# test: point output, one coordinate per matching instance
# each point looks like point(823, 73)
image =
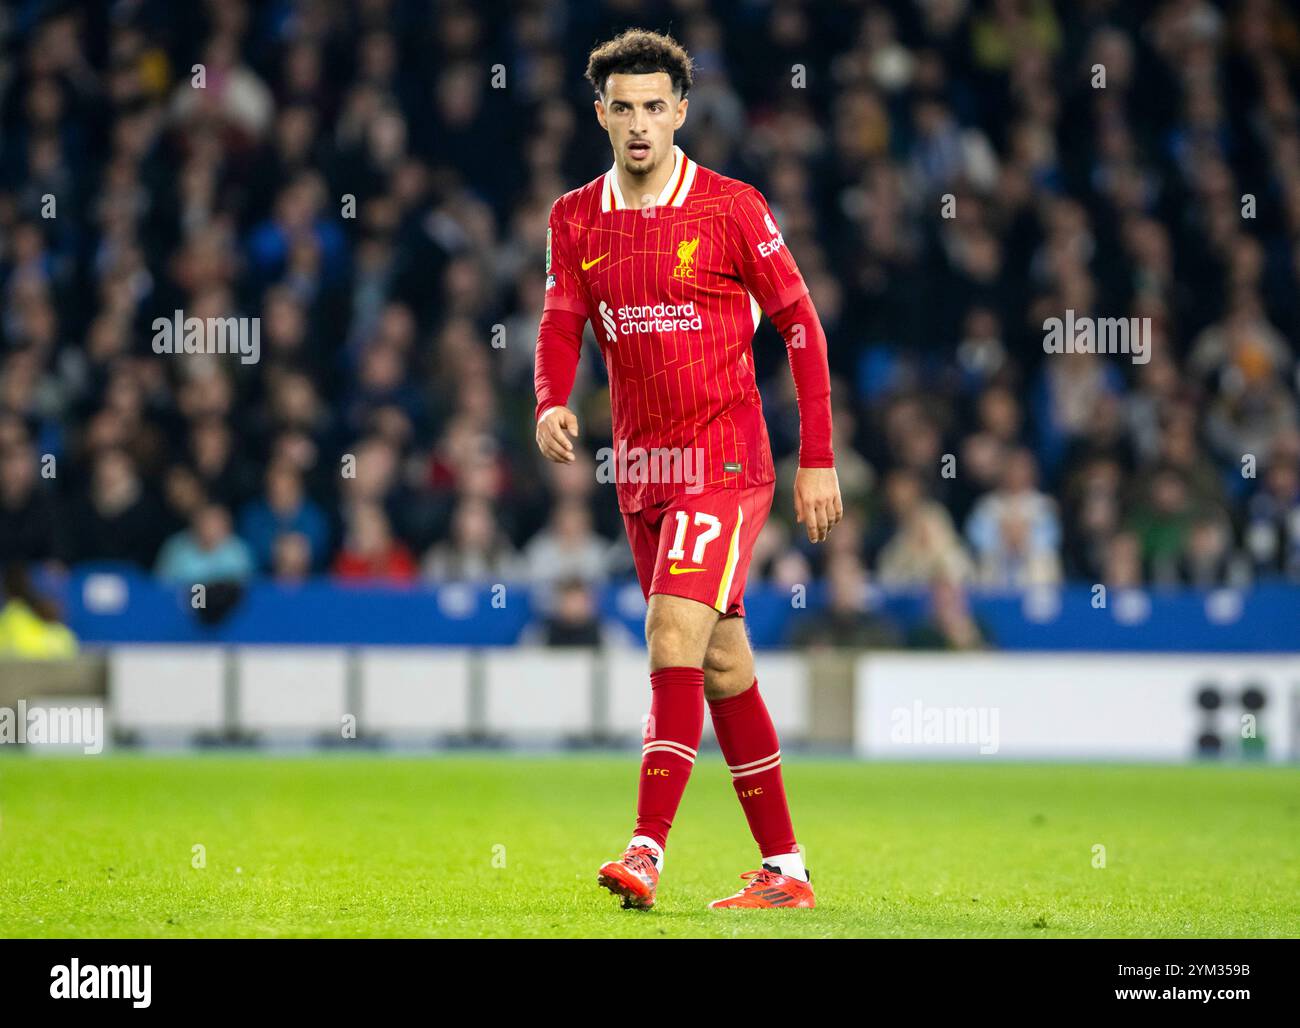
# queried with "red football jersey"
point(674, 293)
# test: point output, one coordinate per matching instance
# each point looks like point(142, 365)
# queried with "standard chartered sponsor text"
point(658, 317)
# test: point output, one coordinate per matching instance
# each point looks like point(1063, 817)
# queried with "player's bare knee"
point(677, 632)
point(670, 645)
point(719, 661)
point(727, 672)
point(665, 647)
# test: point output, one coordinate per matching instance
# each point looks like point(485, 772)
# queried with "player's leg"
point(748, 738)
point(677, 634)
point(752, 751)
point(728, 661)
point(750, 746)
point(677, 631)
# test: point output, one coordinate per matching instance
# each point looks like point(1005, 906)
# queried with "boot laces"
point(639, 858)
point(759, 878)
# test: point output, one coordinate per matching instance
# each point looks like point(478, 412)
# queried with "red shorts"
point(698, 545)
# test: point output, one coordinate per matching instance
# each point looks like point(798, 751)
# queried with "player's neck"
point(643, 190)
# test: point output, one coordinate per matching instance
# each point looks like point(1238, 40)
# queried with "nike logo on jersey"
point(592, 264)
point(673, 569)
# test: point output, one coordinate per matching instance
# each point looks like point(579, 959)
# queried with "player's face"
point(641, 113)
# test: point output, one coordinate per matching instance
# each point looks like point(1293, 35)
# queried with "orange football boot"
point(769, 888)
point(634, 876)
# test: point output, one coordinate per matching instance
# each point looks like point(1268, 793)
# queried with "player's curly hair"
point(640, 52)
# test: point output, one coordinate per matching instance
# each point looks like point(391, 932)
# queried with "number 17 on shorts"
point(702, 545)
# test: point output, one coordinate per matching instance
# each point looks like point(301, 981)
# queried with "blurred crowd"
point(372, 180)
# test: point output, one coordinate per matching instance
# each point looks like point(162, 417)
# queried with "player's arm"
point(770, 274)
point(817, 503)
point(559, 346)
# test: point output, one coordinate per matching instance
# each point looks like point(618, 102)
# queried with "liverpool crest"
point(686, 258)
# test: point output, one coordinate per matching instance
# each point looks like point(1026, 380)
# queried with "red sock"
point(753, 755)
point(672, 737)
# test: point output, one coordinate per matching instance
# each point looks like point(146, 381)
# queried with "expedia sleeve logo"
point(769, 247)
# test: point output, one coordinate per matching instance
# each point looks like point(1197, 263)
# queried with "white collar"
point(673, 194)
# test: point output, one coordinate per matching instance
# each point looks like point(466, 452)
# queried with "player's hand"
point(551, 438)
point(817, 503)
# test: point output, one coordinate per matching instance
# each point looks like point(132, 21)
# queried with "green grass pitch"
point(489, 845)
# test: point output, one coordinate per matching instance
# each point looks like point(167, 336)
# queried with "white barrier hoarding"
point(1057, 706)
point(1064, 706)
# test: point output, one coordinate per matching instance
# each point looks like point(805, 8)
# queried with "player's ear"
point(681, 113)
point(600, 114)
